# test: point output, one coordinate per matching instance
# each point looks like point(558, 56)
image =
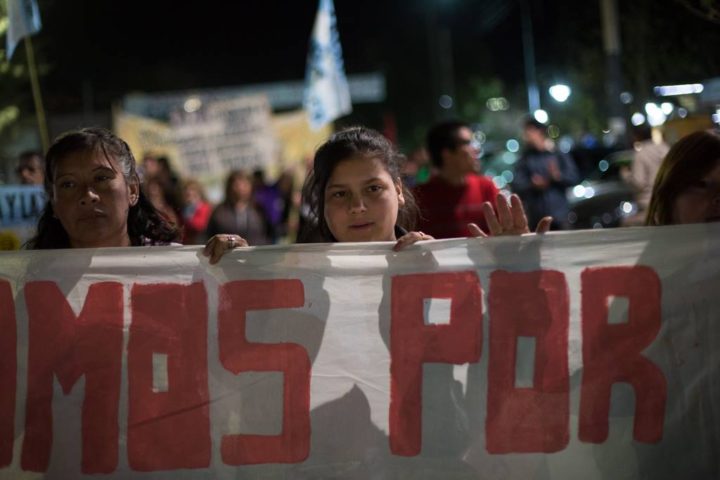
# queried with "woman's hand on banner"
point(219, 244)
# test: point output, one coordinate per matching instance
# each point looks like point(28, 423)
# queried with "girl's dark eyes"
point(701, 185)
point(67, 184)
point(370, 189)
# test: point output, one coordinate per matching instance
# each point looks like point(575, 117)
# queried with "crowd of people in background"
point(438, 189)
point(251, 207)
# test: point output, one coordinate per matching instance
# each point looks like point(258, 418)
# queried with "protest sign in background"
point(224, 135)
point(20, 208)
point(221, 135)
point(145, 135)
point(589, 355)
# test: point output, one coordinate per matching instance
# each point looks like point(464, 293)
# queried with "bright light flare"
point(560, 92)
point(670, 90)
point(541, 115)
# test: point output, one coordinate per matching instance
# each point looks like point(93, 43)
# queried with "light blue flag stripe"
point(327, 94)
point(23, 20)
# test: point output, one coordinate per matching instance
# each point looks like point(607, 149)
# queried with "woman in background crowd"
point(196, 213)
point(159, 199)
point(289, 202)
point(158, 168)
point(238, 214)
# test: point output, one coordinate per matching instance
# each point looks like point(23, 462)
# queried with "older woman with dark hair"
point(95, 199)
point(687, 186)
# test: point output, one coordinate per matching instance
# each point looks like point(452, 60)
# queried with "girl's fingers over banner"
point(410, 238)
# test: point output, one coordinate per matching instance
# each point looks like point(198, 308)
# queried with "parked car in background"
point(603, 199)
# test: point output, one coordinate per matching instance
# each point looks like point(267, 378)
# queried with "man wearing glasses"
point(454, 195)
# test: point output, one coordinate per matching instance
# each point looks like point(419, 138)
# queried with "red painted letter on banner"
point(8, 373)
point(413, 343)
point(238, 355)
point(67, 347)
point(168, 423)
point(613, 353)
point(528, 419)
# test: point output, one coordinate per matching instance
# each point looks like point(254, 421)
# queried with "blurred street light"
point(560, 92)
point(637, 119)
point(192, 104)
point(446, 102)
point(541, 115)
point(671, 90)
point(655, 115)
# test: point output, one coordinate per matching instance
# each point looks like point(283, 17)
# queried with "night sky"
point(111, 48)
point(163, 45)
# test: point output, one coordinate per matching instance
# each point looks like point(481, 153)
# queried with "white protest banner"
point(592, 355)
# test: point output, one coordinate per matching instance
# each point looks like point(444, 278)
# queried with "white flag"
point(23, 20)
point(327, 94)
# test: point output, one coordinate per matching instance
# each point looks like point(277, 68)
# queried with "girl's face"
point(362, 201)
point(699, 202)
point(91, 199)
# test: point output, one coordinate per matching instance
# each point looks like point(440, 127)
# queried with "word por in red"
point(529, 304)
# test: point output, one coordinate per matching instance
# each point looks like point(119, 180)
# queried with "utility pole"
point(613, 70)
point(533, 92)
point(442, 69)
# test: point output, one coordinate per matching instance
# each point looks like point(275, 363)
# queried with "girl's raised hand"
point(219, 244)
point(509, 220)
point(410, 238)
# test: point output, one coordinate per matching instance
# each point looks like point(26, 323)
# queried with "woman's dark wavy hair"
point(345, 144)
point(687, 162)
point(145, 223)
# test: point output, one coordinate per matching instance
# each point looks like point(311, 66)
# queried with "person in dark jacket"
point(541, 177)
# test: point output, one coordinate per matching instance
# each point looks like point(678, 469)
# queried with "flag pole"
point(37, 97)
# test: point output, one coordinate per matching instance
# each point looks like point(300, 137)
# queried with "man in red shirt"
point(453, 197)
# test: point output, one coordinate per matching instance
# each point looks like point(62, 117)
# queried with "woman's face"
point(699, 202)
point(242, 188)
point(91, 199)
point(362, 201)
